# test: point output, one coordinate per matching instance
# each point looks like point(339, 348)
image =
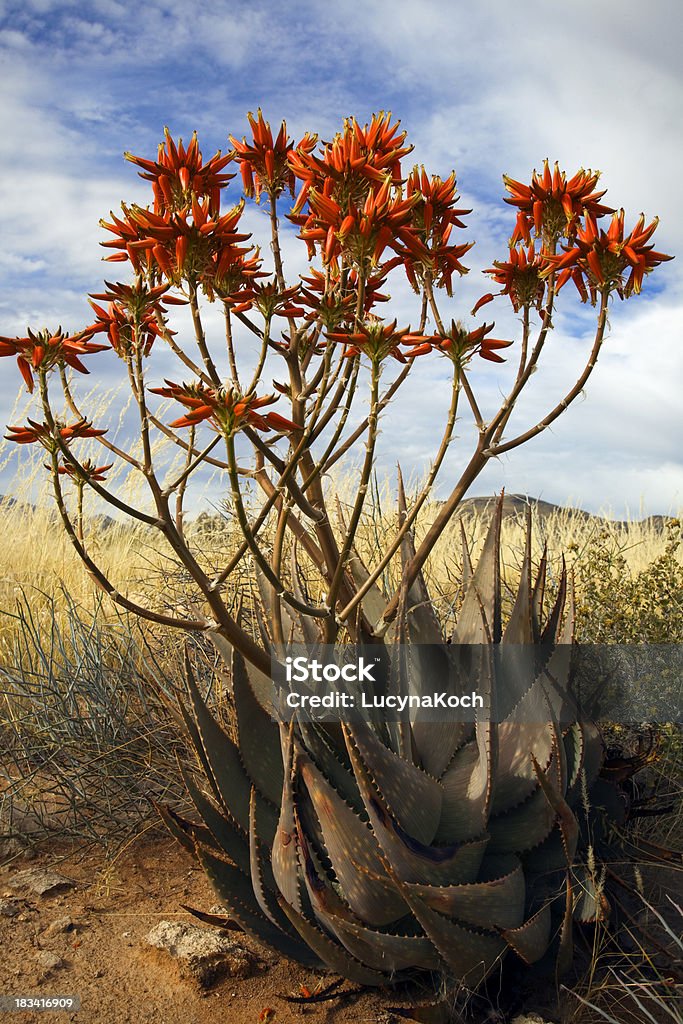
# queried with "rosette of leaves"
point(379, 851)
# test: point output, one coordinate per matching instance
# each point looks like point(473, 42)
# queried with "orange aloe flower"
point(230, 277)
point(267, 299)
point(42, 433)
point(187, 244)
point(374, 339)
point(226, 408)
point(88, 470)
point(131, 317)
point(179, 174)
point(521, 276)
point(434, 215)
point(553, 206)
point(600, 259)
point(264, 162)
point(360, 234)
point(460, 345)
point(44, 350)
point(333, 303)
point(356, 160)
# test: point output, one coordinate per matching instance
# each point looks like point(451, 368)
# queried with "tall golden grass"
point(39, 563)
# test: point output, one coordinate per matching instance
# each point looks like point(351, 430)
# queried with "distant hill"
point(514, 505)
point(8, 502)
point(517, 505)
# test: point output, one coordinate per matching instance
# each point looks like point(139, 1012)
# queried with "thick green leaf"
point(222, 759)
point(515, 776)
point(331, 761)
point(182, 830)
point(378, 950)
point(537, 596)
point(410, 860)
point(412, 796)
point(285, 857)
point(495, 900)
point(531, 939)
point(238, 899)
point(383, 952)
point(353, 852)
point(569, 826)
point(464, 813)
point(375, 601)
point(259, 740)
point(227, 836)
point(261, 684)
point(331, 953)
point(479, 619)
point(260, 869)
point(470, 954)
point(523, 827)
point(519, 629)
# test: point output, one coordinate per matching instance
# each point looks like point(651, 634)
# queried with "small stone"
point(9, 908)
point(59, 926)
point(42, 883)
point(202, 955)
point(48, 961)
point(14, 849)
point(529, 1018)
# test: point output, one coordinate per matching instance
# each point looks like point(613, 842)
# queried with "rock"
point(14, 849)
point(48, 961)
point(9, 908)
point(43, 883)
point(529, 1018)
point(59, 926)
point(202, 955)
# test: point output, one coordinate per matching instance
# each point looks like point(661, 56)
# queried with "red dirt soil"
point(118, 979)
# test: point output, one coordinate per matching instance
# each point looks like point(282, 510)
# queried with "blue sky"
point(486, 89)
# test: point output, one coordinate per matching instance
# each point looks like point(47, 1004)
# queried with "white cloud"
point(481, 87)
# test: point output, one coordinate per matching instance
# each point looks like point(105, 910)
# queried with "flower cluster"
point(187, 245)
point(268, 299)
point(47, 436)
point(133, 320)
point(376, 340)
point(334, 302)
point(521, 276)
point(226, 408)
point(564, 212)
point(434, 215)
point(553, 206)
point(353, 194)
point(460, 345)
point(264, 162)
point(179, 175)
point(599, 259)
point(88, 472)
point(38, 353)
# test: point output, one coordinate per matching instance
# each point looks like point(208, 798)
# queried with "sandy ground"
point(107, 964)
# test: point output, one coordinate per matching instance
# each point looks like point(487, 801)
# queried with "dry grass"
point(84, 714)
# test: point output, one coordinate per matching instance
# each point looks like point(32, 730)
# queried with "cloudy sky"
point(484, 88)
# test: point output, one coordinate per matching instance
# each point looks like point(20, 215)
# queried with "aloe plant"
point(378, 849)
point(429, 846)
